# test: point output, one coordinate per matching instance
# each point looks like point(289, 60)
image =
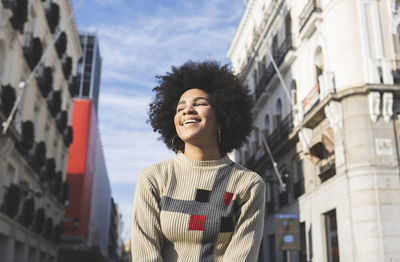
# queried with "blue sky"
point(140, 39)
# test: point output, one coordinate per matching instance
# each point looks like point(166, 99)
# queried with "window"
point(332, 241)
point(303, 243)
point(266, 126)
point(271, 247)
point(293, 92)
point(298, 183)
point(278, 113)
point(319, 64)
point(255, 78)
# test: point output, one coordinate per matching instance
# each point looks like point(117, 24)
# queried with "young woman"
point(199, 205)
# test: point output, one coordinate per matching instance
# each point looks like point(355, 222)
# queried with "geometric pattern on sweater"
point(211, 211)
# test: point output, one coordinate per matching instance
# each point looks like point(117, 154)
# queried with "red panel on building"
point(80, 168)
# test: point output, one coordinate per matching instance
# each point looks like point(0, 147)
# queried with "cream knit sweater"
point(188, 210)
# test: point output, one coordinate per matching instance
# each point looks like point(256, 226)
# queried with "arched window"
point(319, 64)
point(266, 126)
point(278, 113)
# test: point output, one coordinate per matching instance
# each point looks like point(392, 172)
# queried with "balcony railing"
point(20, 13)
point(45, 80)
point(53, 16)
point(267, 75)
point(281, 132)
point(311, 7)
point(327, 171)
point(33, 50)
point(61, 44)
point(278, 136)
point(7, 99)
point(396, 71)
point(67, 66)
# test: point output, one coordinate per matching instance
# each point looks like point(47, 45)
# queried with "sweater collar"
point(225, 160)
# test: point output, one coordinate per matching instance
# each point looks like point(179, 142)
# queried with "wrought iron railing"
point(278, 136)
point(327, 171)
point(267, 75)
point(33, 50)
point(53, 16)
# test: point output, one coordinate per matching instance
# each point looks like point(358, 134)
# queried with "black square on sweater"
point(226, 225)
point(202, 195)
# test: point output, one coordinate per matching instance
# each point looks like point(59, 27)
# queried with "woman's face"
point(195, 120)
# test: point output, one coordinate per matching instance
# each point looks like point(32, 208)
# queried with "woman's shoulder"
point(157, 171)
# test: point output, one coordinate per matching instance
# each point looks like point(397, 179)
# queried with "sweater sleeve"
point(246, 238)
point(146, 235)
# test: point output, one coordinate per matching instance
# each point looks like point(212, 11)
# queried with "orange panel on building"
point(80, 168)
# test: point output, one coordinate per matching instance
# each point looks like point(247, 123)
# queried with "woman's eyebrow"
point(194, 100)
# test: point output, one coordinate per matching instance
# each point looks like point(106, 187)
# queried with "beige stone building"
point(331, 119)
point(34, 150)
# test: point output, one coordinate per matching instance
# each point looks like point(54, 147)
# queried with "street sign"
point(287, 232)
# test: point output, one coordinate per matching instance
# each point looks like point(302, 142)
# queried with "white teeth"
point(191, 121)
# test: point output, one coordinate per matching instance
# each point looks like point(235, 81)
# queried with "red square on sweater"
point(228, 198)
point(196, 222)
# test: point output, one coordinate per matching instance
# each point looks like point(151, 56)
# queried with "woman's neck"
point(202, 153)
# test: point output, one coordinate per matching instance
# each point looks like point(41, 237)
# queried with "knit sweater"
point(189, 210)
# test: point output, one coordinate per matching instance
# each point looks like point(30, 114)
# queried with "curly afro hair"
point(229, 97)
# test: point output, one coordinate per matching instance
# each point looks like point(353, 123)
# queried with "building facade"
point(330, 116)
point(89, 69)
point(34, 148)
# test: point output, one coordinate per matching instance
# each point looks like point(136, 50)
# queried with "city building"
point(89, 69)
point(34, 147)
point(116, 246)
point(330, 117)
point(88, 217)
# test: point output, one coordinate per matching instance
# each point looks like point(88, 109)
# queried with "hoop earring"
point(173, 144)
point(219, 136)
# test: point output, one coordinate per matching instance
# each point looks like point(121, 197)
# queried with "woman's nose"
point(188, 109)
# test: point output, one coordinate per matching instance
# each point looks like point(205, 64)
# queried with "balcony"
point(396, 71)
point(67, 66)
point(45, 80)
point(53, 16)
point(54, 102)
point(306, 18)
point(68, 136)
point(327, 171)
point(7, 100)
point(279, 56)
point(260, 160)
point(20, 13)
point(61, 44)
point(280, 133)
point(33, 50)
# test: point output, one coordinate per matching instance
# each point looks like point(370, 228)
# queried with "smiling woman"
point(199, 205)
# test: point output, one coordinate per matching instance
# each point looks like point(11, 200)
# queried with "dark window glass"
point(86, 88)
point(332, 240)
point(271, 247)
point(303, 243)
